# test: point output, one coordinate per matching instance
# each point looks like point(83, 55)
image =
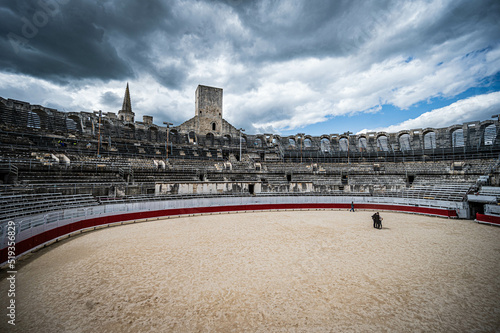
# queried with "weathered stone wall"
point(462, 137)
point(469, 135)
point(208, 110)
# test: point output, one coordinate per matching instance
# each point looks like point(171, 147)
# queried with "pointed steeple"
point(127, 105)
point(126, 113)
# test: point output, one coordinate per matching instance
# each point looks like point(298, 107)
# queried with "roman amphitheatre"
point(127, 226)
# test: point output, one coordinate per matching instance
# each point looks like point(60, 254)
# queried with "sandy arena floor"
point(317, 271)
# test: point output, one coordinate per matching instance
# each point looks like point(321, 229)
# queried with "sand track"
point(317, 271)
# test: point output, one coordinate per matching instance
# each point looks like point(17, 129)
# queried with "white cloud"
point(465, 110)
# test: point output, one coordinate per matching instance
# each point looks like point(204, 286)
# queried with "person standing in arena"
point(352, 206)
point(377, 221)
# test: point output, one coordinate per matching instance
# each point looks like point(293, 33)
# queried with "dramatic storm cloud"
point(285, 66)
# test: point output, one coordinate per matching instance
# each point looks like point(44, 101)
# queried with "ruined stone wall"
point(467, 136)
point(470, 136)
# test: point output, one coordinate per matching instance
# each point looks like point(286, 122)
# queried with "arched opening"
point(404, 142)
point(430, 140)
point(343, 144)
point(33, 120)
point(363, 144)
point(42, 118)
point(209, 139)
point(174, 136)
point(76, 121)
point(382, 143)
point(153, 133)
point(70, 125)
point(490, 133)
point(192, 137)
point(457, 138)
point(325, 145)
point(214, 127)
point(226, 140)
point(257, 142)
point(291, 142)
point(307, 143)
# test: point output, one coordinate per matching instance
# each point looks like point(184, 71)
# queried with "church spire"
point(127, 105)
point(126, 113)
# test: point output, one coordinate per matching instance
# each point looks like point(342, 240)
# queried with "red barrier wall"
point(491, 219)
point(50, 235)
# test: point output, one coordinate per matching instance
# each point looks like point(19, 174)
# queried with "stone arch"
point(344, 144)
point(457, 137)
point(40, 112)
point(192, 137)
point(382, 142)
point(33, 120)
point(77, 120)
point(226, 140)
point(489, 134)
point(292, 143)
point(209, 139)
point(429, 139)
point(362, 143)
point(153, 133)
point(42, 116)
point(174, 136)
point(404, 141)
point(325, 144)
point(257, 142)
point(72, 126)
point(308, 142)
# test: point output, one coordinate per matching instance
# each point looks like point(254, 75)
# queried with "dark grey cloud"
point(120, 40)
point(59, 45)
point(254, 49)
point(111, 99)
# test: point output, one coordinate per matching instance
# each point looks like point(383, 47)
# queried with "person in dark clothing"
point(352, 206)
point(377, 221)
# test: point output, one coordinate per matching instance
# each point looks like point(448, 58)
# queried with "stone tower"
point(208, 110)
point(126, 113)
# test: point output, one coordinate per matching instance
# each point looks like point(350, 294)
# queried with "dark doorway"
point(476, 207)
point(251, 188)
point(410, 179)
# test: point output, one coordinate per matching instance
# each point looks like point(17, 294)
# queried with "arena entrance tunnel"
point(32, 232)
